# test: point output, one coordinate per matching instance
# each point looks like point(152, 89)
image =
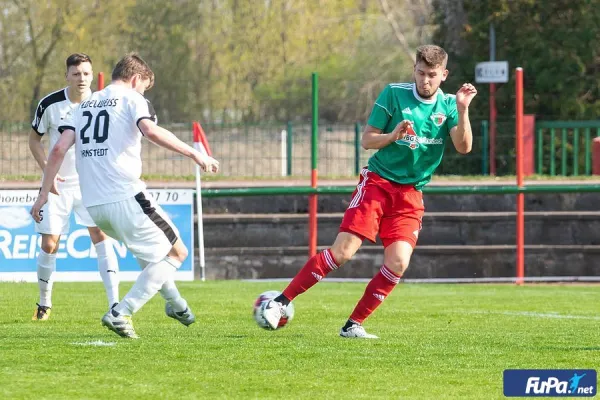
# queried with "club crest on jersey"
point(438, 118)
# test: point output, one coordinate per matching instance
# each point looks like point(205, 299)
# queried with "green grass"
point(437, 341)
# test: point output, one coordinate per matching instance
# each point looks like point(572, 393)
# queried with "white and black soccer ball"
point(260, 302)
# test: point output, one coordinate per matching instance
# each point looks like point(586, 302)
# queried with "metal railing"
point(431, 190)
point(565, 147)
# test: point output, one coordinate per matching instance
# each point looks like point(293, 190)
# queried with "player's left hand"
point(464, 96)
point(37, 207)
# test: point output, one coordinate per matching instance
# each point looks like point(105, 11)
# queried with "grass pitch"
point(437, 341)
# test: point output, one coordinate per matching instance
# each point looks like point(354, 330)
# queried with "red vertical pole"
point(596, 156)
point(519, 160)
point(312, 220)
point(100, 80)
point(528, 144)
point(493, 115)
point(312, 199)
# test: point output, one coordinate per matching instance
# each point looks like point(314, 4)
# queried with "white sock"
point(171, 294)
point(108, 266)
point(46, 265)
point(142, 263)
point(150, 281)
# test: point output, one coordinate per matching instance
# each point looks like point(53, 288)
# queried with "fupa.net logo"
point(550, 382)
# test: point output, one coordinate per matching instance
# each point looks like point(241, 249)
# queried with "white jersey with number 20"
point(108, 144)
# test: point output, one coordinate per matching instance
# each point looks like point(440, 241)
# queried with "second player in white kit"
point(51, 112)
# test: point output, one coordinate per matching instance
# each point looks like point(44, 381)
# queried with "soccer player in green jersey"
point(409, 126)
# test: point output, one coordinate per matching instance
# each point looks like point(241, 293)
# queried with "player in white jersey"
point(52, 111)
point(106, 130)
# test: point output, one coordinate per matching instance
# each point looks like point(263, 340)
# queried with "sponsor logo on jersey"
point(413, 141)
point(409, 139)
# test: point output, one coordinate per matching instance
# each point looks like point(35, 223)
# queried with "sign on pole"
point(491, 72)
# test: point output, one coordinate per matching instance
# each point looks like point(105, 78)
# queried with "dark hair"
point(432, 55)
point(77, 58)
point(131, 65)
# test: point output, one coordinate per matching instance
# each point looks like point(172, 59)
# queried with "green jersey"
point(414, 157)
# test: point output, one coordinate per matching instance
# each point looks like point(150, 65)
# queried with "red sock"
point(377, 290)
point(313, 271)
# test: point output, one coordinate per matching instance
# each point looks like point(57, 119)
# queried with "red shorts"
point(379, 206)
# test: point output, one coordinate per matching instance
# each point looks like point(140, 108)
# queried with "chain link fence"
point(266, 151)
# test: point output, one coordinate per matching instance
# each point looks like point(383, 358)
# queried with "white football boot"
point(272, 311)
point(356, 331)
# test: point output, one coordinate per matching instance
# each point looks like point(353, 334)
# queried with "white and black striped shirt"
point(53, 111)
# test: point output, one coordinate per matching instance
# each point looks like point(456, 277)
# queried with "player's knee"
point(49, 244)
point(179, 251)
point(397, 256)
point(48, 247)
point(96, 234)
point(345, 246)
point(398, 263)
point(183, 253)
point(341, 255)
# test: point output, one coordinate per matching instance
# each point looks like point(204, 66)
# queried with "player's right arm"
point(55, 160)
point(168, 140)
point(36, 148)
point(381, 114)
point(373, 138)
point(39, 127)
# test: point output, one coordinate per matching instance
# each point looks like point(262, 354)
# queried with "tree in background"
point(218, 60)
point(557, 43)
point(239, 60)
point(36, 38)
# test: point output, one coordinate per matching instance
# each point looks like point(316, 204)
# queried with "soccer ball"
point(260, 303)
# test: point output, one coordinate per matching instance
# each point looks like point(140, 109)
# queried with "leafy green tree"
point(556, 43)
point(37, 37)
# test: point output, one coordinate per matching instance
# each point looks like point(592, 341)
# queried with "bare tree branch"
point(389, 15)
point(41, 63)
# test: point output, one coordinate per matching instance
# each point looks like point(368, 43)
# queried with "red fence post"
point(596, 156)
point(519, 159)
point(528, 144)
